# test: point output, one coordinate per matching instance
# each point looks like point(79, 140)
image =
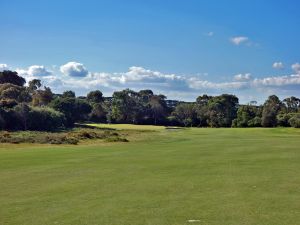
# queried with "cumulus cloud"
point(239, 40)
point(296, 67)
point(278, 81)
point(207, 85)
point(243, 77)
point(173, 85)
point(37, 70)
point(3, 67)
point(34, 71)
point(74, 69)
point(278, 65)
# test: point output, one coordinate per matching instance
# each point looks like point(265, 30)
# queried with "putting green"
point(128, 126)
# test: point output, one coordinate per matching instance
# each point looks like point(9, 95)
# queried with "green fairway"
point(168, 177)
point(127, 126)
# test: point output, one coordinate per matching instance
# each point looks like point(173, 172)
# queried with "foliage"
point(247, 116)
point(14, 92)
point(35, 107)
point(221, 110)
point(74, 109)
point(95, 97)
point(271, 108)
point(294, 121)
point(11, 77)
point(186, 114)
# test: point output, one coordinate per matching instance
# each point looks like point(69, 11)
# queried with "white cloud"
point(37, 70)
point(34, 71)
point(278, 65)
point(239, 40)
point(194, 83)
point(3, 67)
point(278, 81)
point(296, 67)
point(74, 69)
point(243, 77)
point(174, 85)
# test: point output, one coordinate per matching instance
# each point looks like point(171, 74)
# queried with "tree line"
point(33, 106)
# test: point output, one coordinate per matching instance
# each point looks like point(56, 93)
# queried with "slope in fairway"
point(211, 176)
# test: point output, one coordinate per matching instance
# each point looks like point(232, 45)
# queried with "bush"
point(44, 119)
point(66, 137)
point(283, 119)
point(295, 121)
point(255, 122)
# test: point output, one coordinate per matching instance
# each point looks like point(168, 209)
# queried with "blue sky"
point(180, 48)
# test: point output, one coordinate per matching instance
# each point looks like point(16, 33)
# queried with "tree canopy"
point(36, 107)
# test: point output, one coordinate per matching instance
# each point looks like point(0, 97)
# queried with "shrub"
point(44, 119)
point(295, 121)
point(255, 122)
point(283, 119)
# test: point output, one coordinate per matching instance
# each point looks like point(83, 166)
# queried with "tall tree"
point(185, 114)
point(292, 104)
point(159, 108)
point(125, 106)
point(222, 110)
point(271, 108)
point(68, 94)
point(247, 116)
point(95, 97)
point(34, 85)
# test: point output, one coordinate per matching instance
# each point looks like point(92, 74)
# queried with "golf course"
point(205, 176)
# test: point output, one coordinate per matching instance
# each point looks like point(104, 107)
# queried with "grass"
point(72, 136)
point(127, 126)
point(211, 176)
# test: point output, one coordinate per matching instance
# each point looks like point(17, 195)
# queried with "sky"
point(180, 48)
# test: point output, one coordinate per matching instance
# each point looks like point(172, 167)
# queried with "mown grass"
point(212, 176)
point(127, 126)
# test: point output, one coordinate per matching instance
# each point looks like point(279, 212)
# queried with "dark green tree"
point(95, 97)
point(68, 94)
point(11, 77)
point(271, 108)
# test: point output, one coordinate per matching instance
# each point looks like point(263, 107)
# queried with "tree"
point(295, 121)
point(125, 106)
point(68, 94)
point(14, 92)
point(11, 77)
point(42, 97)
point(270, 110)
point(292, 104)
point(34, 85)
point(246, 116)
point(95, 97)
point(222, 110)
point(202, 109)
point(98, 113)
point(185, 114)
point(73, 109)
point(158, 107)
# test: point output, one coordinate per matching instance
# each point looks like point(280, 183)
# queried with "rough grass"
point(171, 177)
point(73, 136)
